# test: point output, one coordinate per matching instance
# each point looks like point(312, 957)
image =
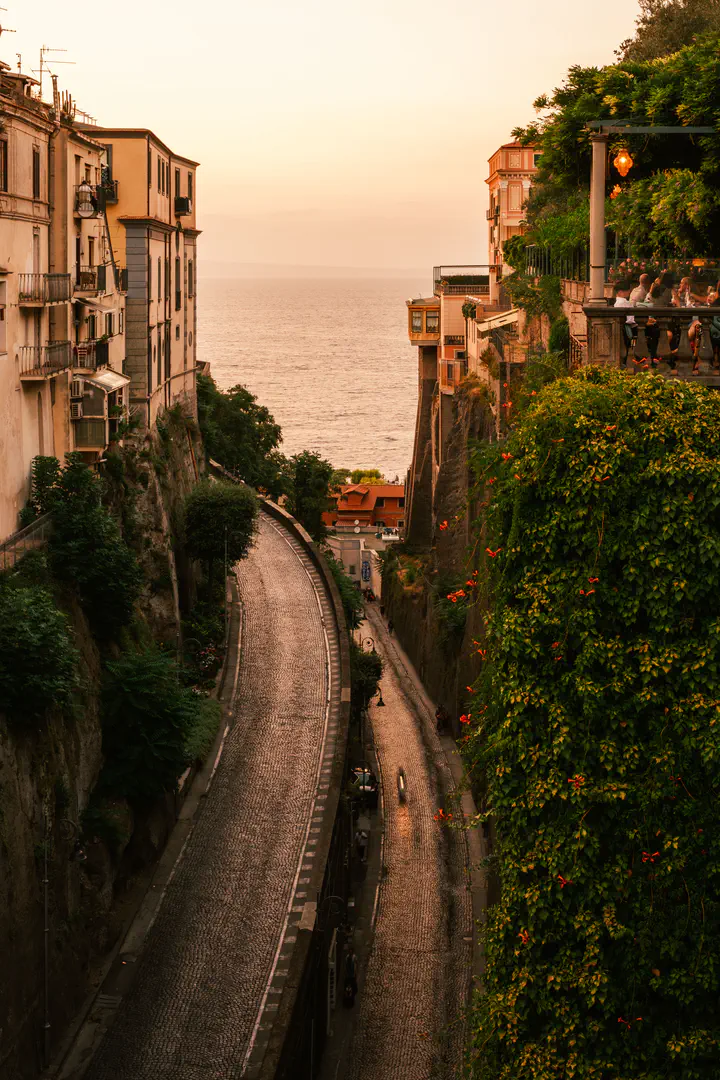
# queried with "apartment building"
point(153, 241)
point(28, 291)
point(510, 176)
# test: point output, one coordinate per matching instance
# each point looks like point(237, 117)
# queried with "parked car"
point(365, 786)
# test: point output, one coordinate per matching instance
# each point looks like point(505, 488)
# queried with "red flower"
point(592, 580)
point(577, 781)
point(491, 553)
point(470, 690)
point(648, 856)
point(506, 457)
point(465, 718)
point(524, 936)
point(564, 881)
point(443, 525)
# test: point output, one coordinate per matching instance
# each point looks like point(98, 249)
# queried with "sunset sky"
point(330, 134)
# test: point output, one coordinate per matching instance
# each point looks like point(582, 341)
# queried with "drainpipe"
point(46, 883)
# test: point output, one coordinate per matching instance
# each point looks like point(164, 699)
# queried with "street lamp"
point(380, 703)
point(372, 643)
point(600, 130)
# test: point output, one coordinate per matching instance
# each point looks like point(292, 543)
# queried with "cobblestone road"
point(416, 987)
point(192, 1007)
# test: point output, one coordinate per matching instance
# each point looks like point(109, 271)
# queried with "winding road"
point(214, 957)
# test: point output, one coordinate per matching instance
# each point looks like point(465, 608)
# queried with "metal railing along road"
point(30, 538)
point(44, 288)
point(40, 361)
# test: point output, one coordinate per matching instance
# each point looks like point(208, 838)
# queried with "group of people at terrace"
point(663, 292)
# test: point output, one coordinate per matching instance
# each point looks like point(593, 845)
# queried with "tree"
point(87, 549)
point(241, 435)
point(152, 727)
point(594, 733)
point(309, 482)
point(664, 26)
point(372, 477)
point(669, 204)
point(219, 518)
point(339, 478)
point(37, 656)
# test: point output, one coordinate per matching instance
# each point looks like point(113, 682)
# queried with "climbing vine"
point(596, 727)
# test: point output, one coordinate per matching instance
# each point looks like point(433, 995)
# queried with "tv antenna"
point(44, 66)
point(5, 29)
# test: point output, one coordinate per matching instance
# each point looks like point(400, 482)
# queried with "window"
point(149, 169)
point(190, 185)
point(177, 333)
point(92, 327)
point(3, 165)
point(159, 278)
point(159, 178)
point(178, 285)
point(177, 183)
point(401, 523)
point(121, 320)
point(416, 325)
point(36, 171)
point(351, 570)
point(88, 175)
point(379, 502)
point(379, 524)
point(91, 251)
point(191, 278)
point(432, 322)
point(149, 278)
point(536, 160)
point(109, 327)
point(167, 279)
point(401, 503)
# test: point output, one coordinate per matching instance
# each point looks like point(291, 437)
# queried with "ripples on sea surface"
point(329, 358)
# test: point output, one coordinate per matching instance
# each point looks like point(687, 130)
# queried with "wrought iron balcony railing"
point(43, 361)
point(35, 290)
point(674, 342)
point(455, 339)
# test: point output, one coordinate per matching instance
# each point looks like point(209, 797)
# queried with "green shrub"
point(351, 597)
point(201, 737)
point(151, 726)
point(37, 656)
point(308, 484)
point(596, 725)
point(559, 335)
point(219, 518)
point(365, 674)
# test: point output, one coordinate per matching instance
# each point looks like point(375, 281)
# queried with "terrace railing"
point(30, 538)
point(44, 288)
point(42, 361)
point(675, 342)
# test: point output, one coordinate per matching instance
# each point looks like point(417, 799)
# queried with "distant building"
point(511, 171)
point(364, 506)
point(153, 237)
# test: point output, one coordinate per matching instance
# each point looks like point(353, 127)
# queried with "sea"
point(330, 359)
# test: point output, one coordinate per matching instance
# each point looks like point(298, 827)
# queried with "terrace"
point(461, 280)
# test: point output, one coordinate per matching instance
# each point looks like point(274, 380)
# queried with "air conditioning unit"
point(76, 410)
point(76, 388)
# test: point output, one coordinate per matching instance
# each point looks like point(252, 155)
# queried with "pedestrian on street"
point(441, 718)
point(351, 986)
point(361, 841)
point(391, 626)
point(382, 611)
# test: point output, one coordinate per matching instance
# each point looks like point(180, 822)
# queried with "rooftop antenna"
point(6, 29)
point(44, 49)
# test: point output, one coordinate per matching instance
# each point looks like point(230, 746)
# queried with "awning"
point(108, 379)
point(88, 303)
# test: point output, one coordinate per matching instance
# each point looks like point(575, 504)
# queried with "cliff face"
point(446, 661)
point(49, 767)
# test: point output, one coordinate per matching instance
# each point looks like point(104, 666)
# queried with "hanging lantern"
point(615, 191)
point(623, 162)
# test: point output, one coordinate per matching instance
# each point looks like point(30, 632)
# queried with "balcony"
point(450, 374)
point(107, 192)
point(38, 362)
point(38, 290)
point(665, 340)
point(90, 355)
point(491, 215)
point(90, 279)
point(461, 280)
point(455, 339)
point(183, 206)
point(87, 204)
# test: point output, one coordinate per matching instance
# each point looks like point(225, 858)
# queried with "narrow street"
point(192, 1011)
point(415, 991)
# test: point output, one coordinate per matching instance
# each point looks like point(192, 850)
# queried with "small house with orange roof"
point(367, 506)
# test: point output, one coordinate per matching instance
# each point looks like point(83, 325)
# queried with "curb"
point(101, 1006)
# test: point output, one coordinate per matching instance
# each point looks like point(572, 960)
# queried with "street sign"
point(365, 572)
